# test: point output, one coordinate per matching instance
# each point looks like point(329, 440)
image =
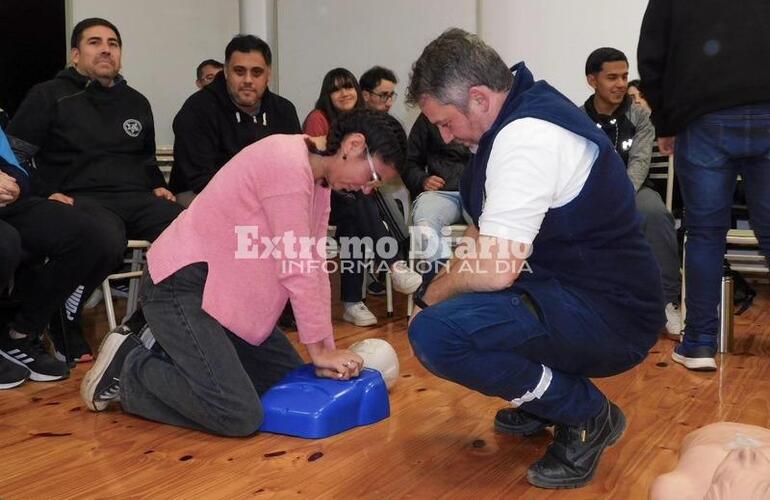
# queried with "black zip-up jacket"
point(86, 137)
point(427, 154)
point(699, 57)
point(210, 129)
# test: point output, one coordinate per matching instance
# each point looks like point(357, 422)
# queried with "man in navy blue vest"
point(554, 282)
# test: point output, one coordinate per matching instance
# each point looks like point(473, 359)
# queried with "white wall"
point(554, 37)
point(163, 42)
point(315, 36)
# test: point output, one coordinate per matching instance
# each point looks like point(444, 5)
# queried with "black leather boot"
point(519, 423)
point(572, 458)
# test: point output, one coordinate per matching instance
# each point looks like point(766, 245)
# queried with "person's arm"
point(154, 175)
point(481, 264)
point(28, 133)
point(291, 120)
point(652, 57)
point(316, 124)
point(9, 165)
point(640, 154)
point(305, 279)
point(415, 174)
point(196, 147)
point(33, 119)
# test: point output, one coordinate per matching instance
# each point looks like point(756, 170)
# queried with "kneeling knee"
point(243, 422)
point(427, 338)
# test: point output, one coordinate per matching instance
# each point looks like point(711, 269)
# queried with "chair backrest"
point(662, 169)
point(165, 158)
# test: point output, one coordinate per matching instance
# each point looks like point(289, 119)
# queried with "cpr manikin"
point(725, 460)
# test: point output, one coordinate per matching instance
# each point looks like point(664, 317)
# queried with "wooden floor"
point(437, 443)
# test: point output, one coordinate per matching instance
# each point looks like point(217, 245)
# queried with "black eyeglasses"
point(384, 97)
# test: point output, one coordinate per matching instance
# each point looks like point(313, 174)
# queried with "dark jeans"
point(208, 379)
point(710, 154)
point(10, 253)
point(535, 349)
point(357, 215)
point(66, 247)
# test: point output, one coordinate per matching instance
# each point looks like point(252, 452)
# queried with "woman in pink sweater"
point(220, 275)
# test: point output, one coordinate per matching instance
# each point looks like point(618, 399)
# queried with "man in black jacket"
point(703, 76)
point(93, 140)
point(235, 110)
point(432, 175)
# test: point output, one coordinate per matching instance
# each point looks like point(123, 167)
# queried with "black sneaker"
point(374, 287)
point(101, 384)
point(30, 353)
point(12, 374)
point(572, 458)
point(519, 423)
point(695, 357)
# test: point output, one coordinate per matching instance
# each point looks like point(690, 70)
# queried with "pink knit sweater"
point(266, 190)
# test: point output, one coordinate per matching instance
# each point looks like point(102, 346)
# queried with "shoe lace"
point(112, 392)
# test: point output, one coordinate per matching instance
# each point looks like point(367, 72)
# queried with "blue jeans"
point(431, 211)
point(534, 345)
point(207, 378)
point(710, 154)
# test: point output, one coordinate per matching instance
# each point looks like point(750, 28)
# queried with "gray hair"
point(453, 63)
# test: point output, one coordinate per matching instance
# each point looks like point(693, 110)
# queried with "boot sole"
point(106, 353)
point(582, 481)
point(695, 364)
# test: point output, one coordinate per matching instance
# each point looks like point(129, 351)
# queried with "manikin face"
point(610, 84)
point(247, 76)
point(453, 124)
point(381, 98)
point(97, 55)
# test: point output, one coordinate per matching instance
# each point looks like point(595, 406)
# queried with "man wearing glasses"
point(378, 87)
point(206, 71)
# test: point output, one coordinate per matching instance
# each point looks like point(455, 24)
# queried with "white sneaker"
point(359, 315)
point(405, 280)
point(673, 321)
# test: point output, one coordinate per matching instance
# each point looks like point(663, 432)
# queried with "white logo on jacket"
point(132, 127)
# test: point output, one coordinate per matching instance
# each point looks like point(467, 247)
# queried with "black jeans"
point(65, 248)
point(121, 216)
point(209, 379)
point(133, 215)
point(10, 253)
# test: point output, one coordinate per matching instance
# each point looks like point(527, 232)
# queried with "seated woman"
point(356, 215)
point(220, 275)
